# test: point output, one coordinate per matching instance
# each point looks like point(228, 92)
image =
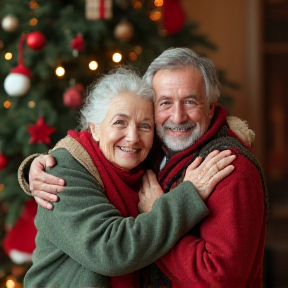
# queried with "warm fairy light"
point(163, 33)
point(158, 3)
point(8, 56)
point(93, 65)
point(31, 104)
point(155, 15)
point(132, 56)
point(7, 104)
point(137, 4)
point(2, 186)
point(60, 71)
point(33, 5)
point(117, 57)
point(33, 22)
point(138, 50)
point(10, 283)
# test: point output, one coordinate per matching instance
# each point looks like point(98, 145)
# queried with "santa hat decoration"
point(19, 243)
point(17, 83)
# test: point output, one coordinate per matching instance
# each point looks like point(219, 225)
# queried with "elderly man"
point(226, 249)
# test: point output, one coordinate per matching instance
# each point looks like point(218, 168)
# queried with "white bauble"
point(16, 84)
point(10, 23)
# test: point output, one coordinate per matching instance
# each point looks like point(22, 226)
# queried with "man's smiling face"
point(182, 113)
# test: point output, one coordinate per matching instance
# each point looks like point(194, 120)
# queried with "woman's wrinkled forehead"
point(129, 105)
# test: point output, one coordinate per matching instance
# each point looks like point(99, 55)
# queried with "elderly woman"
point(94, 231)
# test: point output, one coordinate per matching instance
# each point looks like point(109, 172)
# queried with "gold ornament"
point(124, 31)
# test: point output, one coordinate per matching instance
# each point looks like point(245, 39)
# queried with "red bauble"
point(3, 161)
point(35, 40)
point(77, 43)
point(72, 98)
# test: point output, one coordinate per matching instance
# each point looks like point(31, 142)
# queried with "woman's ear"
point(212, 109)
point(95, 131)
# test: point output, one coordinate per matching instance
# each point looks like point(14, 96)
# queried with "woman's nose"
point(132, 135)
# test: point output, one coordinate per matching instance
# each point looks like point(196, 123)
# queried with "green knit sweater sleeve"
point(88, 228)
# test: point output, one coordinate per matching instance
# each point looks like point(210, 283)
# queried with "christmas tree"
point(49, 52)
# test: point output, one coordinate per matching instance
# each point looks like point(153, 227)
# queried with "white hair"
point(121, 80)
point(177, 58)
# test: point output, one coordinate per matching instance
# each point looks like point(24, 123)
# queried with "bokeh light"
point(7, 104)
point(60, 71)
point(31, 104)
point(33, 5)
point(8, 56)
point(133, 56)
point(137, 4)
point(33, 22)
point(158, 3)
point(117, 57)
point(155, 15)
point(93, 65)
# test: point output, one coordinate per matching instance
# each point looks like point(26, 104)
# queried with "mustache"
point(182, 126)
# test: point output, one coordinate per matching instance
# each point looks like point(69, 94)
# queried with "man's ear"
point(212, 109)
point(95, 131)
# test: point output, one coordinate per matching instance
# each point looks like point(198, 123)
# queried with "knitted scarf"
point(120, 188)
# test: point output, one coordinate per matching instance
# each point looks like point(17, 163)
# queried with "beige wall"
point(233, 26)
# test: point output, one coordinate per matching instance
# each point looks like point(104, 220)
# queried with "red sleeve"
point(230, 237)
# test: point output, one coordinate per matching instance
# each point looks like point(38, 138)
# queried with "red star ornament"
point(40, 132)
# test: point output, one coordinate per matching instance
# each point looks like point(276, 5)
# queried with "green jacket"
point(84, 239)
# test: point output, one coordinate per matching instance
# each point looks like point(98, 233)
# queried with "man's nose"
point(178, 114)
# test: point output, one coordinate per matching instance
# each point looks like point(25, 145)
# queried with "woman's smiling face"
point(126, 134)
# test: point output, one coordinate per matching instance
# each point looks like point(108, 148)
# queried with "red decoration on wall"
point(40, 132)
point(3, 161)
point(173, 16)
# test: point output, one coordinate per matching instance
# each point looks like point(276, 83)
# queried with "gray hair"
point(121, 80)
point(176, 58)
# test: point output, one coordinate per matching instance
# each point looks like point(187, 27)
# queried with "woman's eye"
point(145, 126)
point(119, 122)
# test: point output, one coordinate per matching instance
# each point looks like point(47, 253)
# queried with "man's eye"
point(165, 103)
point(190, 102)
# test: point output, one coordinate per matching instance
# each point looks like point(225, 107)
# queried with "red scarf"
point(121, 187)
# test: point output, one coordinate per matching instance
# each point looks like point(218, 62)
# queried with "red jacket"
point(226, 251)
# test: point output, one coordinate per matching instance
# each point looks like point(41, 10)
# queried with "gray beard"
point(176, 143)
